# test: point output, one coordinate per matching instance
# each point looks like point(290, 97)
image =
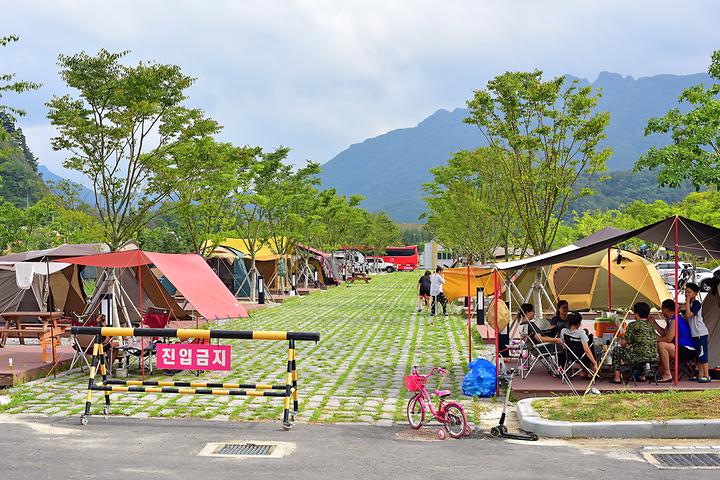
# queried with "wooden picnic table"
point(49, 329)
point(360, 276)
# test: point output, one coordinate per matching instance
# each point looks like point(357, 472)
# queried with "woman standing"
point(424, 291)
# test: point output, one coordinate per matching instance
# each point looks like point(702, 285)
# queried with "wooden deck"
point(540, 384)
point(28, 364)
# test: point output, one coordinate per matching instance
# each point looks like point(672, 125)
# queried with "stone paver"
point(370, 336)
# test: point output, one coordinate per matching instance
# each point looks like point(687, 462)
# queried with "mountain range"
point(389, 170)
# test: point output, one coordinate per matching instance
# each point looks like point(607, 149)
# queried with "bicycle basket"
point(413, 383)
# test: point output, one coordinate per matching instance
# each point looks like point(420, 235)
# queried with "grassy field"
point(370, 336)
point(670, 405)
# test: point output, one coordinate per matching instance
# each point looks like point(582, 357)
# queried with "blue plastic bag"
point(480, 379)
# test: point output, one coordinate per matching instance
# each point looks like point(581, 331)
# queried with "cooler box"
point(605, 325)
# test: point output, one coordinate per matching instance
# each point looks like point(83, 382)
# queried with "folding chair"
point(542, 353)
point(687, 363)
point(82, 344)
point(576, 356)
point(145, 349)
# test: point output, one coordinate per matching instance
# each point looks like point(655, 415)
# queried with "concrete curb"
point(531, 421)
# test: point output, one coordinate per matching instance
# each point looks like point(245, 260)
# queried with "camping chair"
point(687, 363)
point(576, 357)
point(544, 353)
point(650, 370)
point(145, 349)
point(82, 344)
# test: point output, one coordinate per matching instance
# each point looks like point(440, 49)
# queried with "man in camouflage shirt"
point(640, 343)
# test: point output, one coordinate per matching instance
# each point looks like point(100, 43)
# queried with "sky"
point(318, 76)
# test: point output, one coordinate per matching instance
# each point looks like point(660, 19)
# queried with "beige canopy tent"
point(583, 282)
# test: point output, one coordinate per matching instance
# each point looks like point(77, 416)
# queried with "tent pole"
point(677, 319)
point(469, 314)
point(609, 277)
point(142, 339)
point(497, 330)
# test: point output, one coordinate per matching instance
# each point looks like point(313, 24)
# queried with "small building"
point(435, 255)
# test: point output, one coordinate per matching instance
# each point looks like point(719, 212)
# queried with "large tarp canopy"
point(187, 272)
point(693, 237)
point(456, 281)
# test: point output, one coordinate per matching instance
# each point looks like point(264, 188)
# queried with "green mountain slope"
point(19, 180)
point(389, 170)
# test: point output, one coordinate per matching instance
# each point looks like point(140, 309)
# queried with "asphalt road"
point(129, 448)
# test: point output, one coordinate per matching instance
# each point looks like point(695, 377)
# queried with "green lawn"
point(669, 405)
point(370, 336)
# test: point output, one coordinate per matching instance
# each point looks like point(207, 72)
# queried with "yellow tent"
point(583, 282)
point(456, 281)
point(266, 253)
point(266, 259)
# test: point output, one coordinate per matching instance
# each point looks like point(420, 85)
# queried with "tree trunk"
point(253, 280)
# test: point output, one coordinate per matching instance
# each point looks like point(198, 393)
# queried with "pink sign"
point(192, 356)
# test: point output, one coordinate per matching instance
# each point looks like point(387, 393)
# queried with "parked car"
point(699, 275)
point(373, 262)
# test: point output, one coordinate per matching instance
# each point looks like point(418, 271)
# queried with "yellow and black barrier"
point(288, 390)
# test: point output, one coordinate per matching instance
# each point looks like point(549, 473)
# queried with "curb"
point(531, 421)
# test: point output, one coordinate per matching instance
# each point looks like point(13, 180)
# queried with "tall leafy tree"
point(694, 153)
point(545, 139)
point(9, 84)
point(121, 130)
point(207, 208)
point(463, 204)
point(254, 196)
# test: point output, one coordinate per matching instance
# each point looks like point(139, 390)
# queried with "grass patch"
point(670, 405)
point(18, 397)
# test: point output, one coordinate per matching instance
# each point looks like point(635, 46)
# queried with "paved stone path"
point(371, 335)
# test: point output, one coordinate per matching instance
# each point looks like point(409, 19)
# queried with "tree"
point(207, 209)
point(253, 197)
point(122, 130)
point(288, 207)
point(380, 232)
point(463, 205)
point(695, 150)
point(545, 140)
point(9, 84)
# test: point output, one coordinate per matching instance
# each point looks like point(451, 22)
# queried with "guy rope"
point(288, 390)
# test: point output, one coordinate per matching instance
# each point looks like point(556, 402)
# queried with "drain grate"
point(249, 449)
point(687, 460)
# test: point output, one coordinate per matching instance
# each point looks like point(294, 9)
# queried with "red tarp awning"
point(187, 272)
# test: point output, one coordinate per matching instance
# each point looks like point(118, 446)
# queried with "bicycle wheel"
point(415, 412)
point(455, 421)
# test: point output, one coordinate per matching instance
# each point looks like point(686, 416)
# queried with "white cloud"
point(320, 75)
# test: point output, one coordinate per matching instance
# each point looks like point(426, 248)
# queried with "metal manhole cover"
point(683, 458)
point(245, 449)
point(248, 449)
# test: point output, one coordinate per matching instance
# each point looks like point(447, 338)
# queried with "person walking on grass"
point(424, 291)
point(692, 312)
point(436, 291)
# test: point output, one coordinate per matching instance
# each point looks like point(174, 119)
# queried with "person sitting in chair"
point(574, 330)
point(639, 345)
point(666, 342)
point(560, 320)
point(525, 316)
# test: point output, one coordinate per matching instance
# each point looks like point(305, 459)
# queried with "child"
point(692, 312)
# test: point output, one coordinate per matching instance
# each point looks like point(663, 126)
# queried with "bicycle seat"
point(442, 393)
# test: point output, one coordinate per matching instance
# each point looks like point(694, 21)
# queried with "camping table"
point(46, 318)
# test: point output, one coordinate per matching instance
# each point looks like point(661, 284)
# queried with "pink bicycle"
point(449, 413)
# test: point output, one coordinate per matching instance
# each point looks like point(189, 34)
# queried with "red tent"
point(187, 272)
